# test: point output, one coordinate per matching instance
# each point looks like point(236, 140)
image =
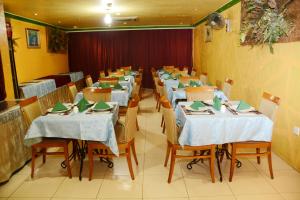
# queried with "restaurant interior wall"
point(254, 70)
point(33, 63)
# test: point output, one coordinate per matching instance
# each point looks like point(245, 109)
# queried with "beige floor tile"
point(199, 185)
point(121, 187)
point(12, 185)
point(227, 197)
point(291, 196)
point(167, 199)
point(73, 188)
point(250, 183)
point(156, 186)
point(39, 187)
point(260, 197)
point(285, 181)
point(100, 168)
point(29, 198)
point(121, 166)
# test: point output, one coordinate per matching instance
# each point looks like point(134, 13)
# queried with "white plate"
point(191, 109)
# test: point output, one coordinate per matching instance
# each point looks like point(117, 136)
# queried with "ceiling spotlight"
point(35, 14)
point(59, 22)
point(107, 19)
point(75, 27)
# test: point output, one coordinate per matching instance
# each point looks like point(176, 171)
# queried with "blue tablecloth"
point(37, 87)
point(97, 126)
point(74, 76)
point(223, 127)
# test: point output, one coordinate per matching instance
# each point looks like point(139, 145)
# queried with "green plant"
point(57, 40)
point(265, 22)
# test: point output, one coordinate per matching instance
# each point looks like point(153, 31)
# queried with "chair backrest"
point(97, 94)
point(268, 105)
point(194, 72)
point(111, 81)
point(169, 67)
point(130, 119)
point(126, 68)
point(102, 74)
point(31, 108)
point(156, 79)
point(204, 78)
point(136, 87)
point(117, 74)
point(73, 90)
point(227, 87)
point(199, 93)
point(89, 81)
point(160, 86)
point(170, 121)
point(187, 79)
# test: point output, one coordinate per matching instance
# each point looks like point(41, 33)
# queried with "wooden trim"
point(166, 104)
point(28, 101)
point(272, 98)
point(199, 89)
point(98, 90)
point(204, 73)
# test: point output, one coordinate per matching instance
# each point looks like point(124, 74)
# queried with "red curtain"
point(91, 52)
point(2, 85)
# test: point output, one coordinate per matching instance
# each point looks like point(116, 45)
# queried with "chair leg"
point(134, 152)
point(270, 162)
point(159, 104)
point(212, 164)
point(162, 121)
point(169, 148)
point(173, 156)
point(233, 158)
point(164, 127)
point(128, 156)
point(91, 161)
point(67, 162)
point(33, 154)
point(137, 125)
point(258, 157)
point(44, 150)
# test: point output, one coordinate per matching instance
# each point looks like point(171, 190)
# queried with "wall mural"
point(270, 21)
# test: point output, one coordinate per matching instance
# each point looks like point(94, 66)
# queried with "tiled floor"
point(250, 182)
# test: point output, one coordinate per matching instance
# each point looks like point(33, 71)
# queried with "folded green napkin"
point(196, 105)
point(217, 103)
point(243, 106)
point(122, 78)
point(101, 105)
point(180, 85)
point(59, 107)
point(118, 87)
point(104, 85)
point(83, 104)
point(194, 84)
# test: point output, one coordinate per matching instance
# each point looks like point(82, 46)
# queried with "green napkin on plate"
point(83, 104)
point(118, 87)
point(180, 85)
point(196, 105)
point(243, 106)
point(101, 105)
point(122, 78)
point(217, 103)
point(104, 85)
point(59, 107)
point(194, 84)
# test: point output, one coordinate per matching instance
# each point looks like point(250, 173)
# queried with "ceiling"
point(90, 13)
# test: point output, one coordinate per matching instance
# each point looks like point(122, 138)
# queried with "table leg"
point(218, 163)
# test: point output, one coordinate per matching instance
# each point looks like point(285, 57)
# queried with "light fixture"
point(35, 14)
point(118, 14)
point(107, 19)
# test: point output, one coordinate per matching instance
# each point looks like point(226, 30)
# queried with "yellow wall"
point(35, 63)
point(255, 70)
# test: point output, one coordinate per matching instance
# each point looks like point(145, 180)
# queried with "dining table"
point(85, 126)
point(37, 88)
point(225, 126)
point(127, 83)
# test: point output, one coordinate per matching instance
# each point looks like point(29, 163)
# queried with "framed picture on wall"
point(33, 38)
point(208, 34)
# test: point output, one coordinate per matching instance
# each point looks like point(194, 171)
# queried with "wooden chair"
point(97, 94)
point(136, 87)
point(125, 134)
point(126, 68)
point(227, 87)
point(268, 107)
point(72, 90)
point(89, 81)
point(160, 91)
point(199, 93)
point(172, 132)
point(204, 78)
point(31, 110)
point(168, 67)
point(116, 74)
point(110, 81)
point(194, 72)
point(102, 74)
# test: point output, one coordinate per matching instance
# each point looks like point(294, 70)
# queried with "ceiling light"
point(59, 22)
point(118, 14)
point(124, 22)
point(75, 27)
point(35, 14)
point(107, 19)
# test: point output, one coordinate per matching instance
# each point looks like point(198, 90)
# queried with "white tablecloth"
point(119, 96)
point(94, 127)
point(221, 128)
point(74, 76)
point(38, 87)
